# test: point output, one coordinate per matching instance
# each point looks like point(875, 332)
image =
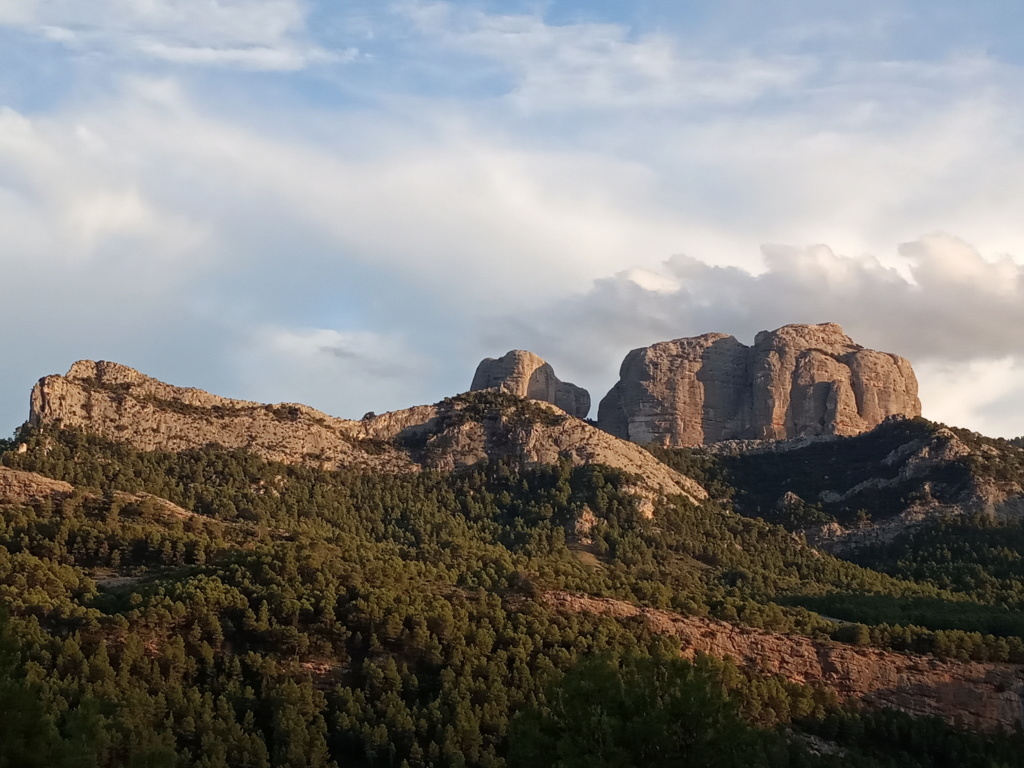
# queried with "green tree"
point(635, 712)
point(28, 736)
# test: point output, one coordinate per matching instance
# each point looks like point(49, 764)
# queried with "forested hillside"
point(282, 615)
point(927, 504)
point(855, 481)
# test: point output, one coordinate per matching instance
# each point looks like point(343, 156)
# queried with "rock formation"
point(537, 433)
point(525, 374)
point(797, 381)
point(121, 404)
point(19, 487)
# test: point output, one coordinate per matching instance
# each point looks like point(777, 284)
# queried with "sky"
point(349, 204)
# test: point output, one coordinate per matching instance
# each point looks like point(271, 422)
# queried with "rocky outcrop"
point(796, 381)
point(121, 404)
point(19, 487)
point(980, 696)
point(902, 474)
point(934, 474)
point(525, 374)
point(682, 392)
point(531, 433)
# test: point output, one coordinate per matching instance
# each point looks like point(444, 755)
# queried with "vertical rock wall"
point(527, 375)
point(796, 381)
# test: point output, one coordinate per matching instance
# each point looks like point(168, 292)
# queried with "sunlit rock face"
point(121, 404)
point(796, 381)
point(525, 374)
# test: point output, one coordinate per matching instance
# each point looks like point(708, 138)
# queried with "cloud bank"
point(957, 316)
point(351, 204)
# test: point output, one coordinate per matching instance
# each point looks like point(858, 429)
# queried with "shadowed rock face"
point(525, 374)
point(797, 381)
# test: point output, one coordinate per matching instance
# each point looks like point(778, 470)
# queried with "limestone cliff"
point(525, 374)
point(796, 381)
point(982, 696)
point(121, 404)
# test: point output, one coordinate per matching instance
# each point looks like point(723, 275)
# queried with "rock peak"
point(527, 375)
point(795, 381)
point(102, 370)
point(822, 335)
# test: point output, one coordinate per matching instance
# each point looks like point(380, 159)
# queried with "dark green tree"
point(28, 736)
point(646, 712)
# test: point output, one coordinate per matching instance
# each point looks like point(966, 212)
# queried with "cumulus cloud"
point(984, 395)
point(958, 316)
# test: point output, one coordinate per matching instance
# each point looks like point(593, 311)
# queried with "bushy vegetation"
point(977, 554)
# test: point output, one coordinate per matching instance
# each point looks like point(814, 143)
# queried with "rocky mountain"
point(121, 404)
point(796, 381)
point(525, 374)
point(494, 540)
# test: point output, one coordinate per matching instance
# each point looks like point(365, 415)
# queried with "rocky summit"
point(796, 381)
point(121, 404)
point(525, 374)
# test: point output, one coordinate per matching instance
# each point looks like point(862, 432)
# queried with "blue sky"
point(350, 204)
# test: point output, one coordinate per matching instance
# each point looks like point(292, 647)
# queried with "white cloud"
point(157, 197)
point(982, 394)
point(255, 58)
point(603, 66)
point(145, 230)
point(161, 225)
point(71, 195)
point(460, 212)
point(225, 22)
point(260, 35)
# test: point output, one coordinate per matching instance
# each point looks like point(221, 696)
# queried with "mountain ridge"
point(122, 404)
